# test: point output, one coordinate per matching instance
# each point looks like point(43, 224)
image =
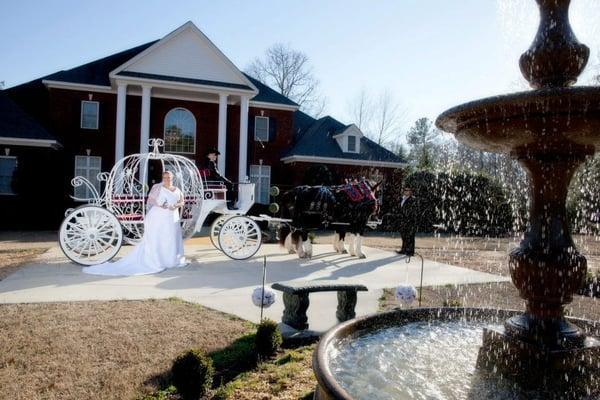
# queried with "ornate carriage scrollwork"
point(156, 143)
point(93, 232)
point(95, 196)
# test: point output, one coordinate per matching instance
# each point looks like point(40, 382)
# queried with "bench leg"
point(294, 313)
point(346, 305)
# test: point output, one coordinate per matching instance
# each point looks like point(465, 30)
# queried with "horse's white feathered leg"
point(336, 242)
point(358, 246)
point(342, 246)
point(288, 244)
point(308, 249)
point(351, 244)
point(300, 248)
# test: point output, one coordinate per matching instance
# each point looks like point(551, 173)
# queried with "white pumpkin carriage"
point(94, 232)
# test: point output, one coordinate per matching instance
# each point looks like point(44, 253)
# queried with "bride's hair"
point(169, 173)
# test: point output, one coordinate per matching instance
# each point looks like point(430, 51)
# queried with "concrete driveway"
point(218, 282)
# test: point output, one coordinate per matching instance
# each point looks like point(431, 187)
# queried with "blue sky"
point(430, 54)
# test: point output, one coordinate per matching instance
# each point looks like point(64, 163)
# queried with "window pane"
point(260, 175)
point(351, 143)
point(261, 129)
point(7, 172)
point(87, 167)
point(180, 131)
point(89, 115)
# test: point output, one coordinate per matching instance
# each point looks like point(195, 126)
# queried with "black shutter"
point(272, 129)
point(251, 127)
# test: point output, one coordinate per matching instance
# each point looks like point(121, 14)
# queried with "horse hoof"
point(344, 251)
point(362, 256)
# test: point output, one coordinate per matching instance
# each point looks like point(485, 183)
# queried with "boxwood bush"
point(192, 374)
point(268, 338)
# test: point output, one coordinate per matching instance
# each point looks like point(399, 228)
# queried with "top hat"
point(212, 150)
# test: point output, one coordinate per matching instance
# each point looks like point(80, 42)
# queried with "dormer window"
point(351, 144)
point(349, 139)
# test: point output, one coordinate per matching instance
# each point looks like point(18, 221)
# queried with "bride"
point(162, 244)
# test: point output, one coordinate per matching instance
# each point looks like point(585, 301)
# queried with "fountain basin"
point(552, 121)
point(335, 343)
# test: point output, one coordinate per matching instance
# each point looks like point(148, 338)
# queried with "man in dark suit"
point(212, 174)
point(408, 222)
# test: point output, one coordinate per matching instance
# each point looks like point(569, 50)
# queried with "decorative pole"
point(264, 279)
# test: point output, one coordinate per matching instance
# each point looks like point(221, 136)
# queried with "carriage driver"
point(212, 174)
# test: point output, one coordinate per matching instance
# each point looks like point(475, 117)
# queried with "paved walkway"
point(218, 282)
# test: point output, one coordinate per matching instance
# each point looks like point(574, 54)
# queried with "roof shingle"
point(315, 138)
point(16, 123)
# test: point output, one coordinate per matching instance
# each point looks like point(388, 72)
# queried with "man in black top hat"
point(212, 174)
point(408, 222)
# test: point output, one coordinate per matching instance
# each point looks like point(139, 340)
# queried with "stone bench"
point(295, 299)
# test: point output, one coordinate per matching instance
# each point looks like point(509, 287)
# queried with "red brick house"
point(181, 88)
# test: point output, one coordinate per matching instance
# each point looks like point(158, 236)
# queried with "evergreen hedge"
point(461, 202)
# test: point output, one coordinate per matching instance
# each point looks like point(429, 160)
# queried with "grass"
point(287, 376)
point(105, 349)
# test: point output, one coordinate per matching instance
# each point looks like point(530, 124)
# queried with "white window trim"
point(87, 168)
point(261, 174)
point(16, 165)
point(257, 139)
point(356, 144)
point(195, 131)
point(97, 114)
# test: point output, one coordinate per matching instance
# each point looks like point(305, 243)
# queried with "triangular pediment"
point(185, 53)
point(350, 130)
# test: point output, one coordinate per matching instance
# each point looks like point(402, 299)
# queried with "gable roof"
point(268, 95)
point(315, 139)
point(18, 128)
point(98, 72)
point(205, 62)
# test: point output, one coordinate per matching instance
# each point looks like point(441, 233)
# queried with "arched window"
point(180, 131)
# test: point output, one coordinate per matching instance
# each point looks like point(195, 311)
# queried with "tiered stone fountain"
point(550, 130)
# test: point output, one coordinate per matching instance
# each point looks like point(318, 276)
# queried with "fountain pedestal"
point(572, 373)
point(550, 131)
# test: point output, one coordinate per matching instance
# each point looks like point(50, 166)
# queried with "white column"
point(120, 130)
point(243, 158)
point(222, 131)
point(145, 123)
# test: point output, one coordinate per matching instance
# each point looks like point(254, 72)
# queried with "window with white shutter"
point(260, 175)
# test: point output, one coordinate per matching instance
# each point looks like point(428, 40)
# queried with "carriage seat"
point(136, 202)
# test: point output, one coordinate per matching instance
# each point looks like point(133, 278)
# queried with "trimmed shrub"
point(192, 374)
point(268, 338)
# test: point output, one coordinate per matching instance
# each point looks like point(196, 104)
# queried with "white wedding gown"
point(162, 244)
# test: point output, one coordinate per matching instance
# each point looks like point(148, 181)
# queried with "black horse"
point(345, 208)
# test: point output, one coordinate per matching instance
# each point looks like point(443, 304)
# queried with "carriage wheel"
point(90, 235)
point(240, 237)
point(215, 228)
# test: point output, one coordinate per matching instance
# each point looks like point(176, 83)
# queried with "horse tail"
point(284, 231)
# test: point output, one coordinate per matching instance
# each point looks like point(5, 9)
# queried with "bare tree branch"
point(378, 119)
point(290, 73)
point(360, 110)
point(388, 116)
